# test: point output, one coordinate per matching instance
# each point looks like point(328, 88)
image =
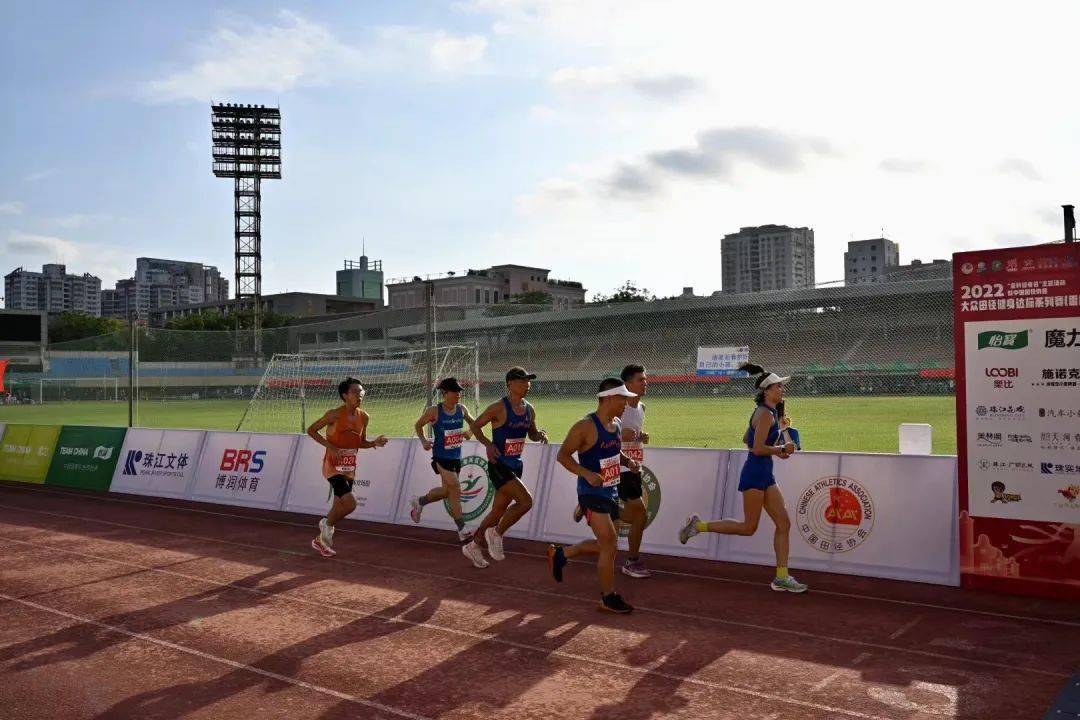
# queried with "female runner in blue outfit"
point(756, 482)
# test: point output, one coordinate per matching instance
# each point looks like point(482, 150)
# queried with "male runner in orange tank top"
point(346, 432)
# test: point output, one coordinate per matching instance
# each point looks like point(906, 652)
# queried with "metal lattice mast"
point(247, 148)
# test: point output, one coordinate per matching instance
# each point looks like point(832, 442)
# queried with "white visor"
point(617, 390)
point(772, 379)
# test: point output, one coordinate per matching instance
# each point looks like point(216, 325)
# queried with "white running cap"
point(617, 390)
point(772, 379)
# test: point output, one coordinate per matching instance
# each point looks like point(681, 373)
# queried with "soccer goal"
point(296, 389)
point(57, 390)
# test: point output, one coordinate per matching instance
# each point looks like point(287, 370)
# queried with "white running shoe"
point(689, 530)
point(494, 542)
point(326, 533)
point(475, 554)
point(415, 508)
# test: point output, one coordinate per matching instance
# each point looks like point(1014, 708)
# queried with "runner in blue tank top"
point(756, 483)
point(449, 428)
point(597, 440)
point(512, 420)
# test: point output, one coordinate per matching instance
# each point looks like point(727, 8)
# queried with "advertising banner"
point(85, 457)
point(675, 482)
point(248, 469)
point(874, 515)
point(1017, 331)
point(477, 492)
point(378, 479)
point(26, 452)
point(722, 360)
point(159, 463)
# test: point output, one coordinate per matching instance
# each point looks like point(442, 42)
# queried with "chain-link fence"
point(862, 359)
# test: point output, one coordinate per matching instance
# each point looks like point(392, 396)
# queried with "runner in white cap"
point(757, 483)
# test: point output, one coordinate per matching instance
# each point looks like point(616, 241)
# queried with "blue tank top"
point(604, 458)
point(764, 461)
point(509, 437)
point(449, 432)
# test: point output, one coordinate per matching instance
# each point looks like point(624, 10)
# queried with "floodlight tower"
point(247, 148)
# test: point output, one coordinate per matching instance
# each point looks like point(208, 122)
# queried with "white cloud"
point(653, 84)
point(294, 52)
point(110, 263)
point(451, 52)
point(13, 207)
point(1019, 168)
point(40, 175)
point(79, 220)
point(902, 165)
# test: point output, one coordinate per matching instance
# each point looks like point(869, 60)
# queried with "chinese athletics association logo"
point(477, 492)
point(650, 495)
point(835, 514)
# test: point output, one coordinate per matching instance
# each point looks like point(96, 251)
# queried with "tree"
point(71, 325)
point(216, 320)
point(533, 297)
point(627, 292)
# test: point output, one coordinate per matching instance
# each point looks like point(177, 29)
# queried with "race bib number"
point(453, 438)
point(610, 470)
point(634, 451)
point(346, 462)
point(514, 447)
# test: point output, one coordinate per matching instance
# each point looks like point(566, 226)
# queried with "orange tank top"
point(343, 432)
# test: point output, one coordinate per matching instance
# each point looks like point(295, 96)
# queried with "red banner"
point(1017, 334)
point(3, 369)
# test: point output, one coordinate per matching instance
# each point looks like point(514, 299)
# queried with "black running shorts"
point(629, 485)
point(453, 466)
point(596, 504)
point(341, 484)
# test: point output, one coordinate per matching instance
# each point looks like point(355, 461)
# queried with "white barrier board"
point(378, 475)
point(675, 483)
point(247, 469)
point(477, 492)
point(159, 463)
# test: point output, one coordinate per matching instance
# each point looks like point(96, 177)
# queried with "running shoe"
point(317, 545)
point(326, 533)
point(636, 569)
point(475, 554)
point(689, 530)
point(579, 513)
point(415, 508)
point(494, 543)
point(615, 604)
point(556, 561)
point(788, 584)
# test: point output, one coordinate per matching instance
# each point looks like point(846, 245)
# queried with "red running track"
point(114, 606)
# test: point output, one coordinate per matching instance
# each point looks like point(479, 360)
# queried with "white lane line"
point(772, 630)
point(220, 660)
point(906, 627)
point(443, 543)
point(482, 637)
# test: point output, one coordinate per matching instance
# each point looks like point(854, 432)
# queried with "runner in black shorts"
point(512, 419)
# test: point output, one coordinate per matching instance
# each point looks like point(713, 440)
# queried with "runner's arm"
point(425, 420)
point(762, 425)
point(577, 441)
point(468, 422)
point(535, 434)
point(476, 427)
point(378, 442)
point(315, 427)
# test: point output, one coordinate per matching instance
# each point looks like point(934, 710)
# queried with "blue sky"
point(607, 141)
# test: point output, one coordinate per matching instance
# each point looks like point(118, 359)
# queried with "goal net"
point(297, 389)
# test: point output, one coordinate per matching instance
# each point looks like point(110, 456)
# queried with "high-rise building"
point(52, 290)
point(769, 257)
point(165, 283)
point(869, 261)
point(363, 279)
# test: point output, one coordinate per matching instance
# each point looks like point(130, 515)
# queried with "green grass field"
point(852, 424)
